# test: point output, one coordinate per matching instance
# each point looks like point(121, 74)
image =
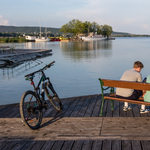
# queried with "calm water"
point(78, 66)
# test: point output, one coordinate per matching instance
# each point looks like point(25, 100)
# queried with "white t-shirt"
point(129, 75)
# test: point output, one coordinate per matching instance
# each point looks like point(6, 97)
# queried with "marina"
point(77, 126)
point(75, 76)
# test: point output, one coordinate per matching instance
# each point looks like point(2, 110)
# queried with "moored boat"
point(93, 38)
point(42, 39)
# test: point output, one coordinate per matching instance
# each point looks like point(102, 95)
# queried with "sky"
point(131, 16)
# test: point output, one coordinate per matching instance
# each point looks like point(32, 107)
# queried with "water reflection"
point(92, 49)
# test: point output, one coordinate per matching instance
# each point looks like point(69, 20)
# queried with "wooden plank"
point(47, 145)
point(91, 106)
point(105, 108)
point(57, 145)
point(67, 145)
point(78, 107)
point(14, 108)
point(9, 145)
point(72, 107)
point(3, 144)
point(52, 111)
point(129, 127)
point(122, 113)
point(97, 144)
point(126, 145)
point(87, 145)
point(145, 145)
point(130, 113)
point(116, 109)
point(6, 108)
point(28, 145)
point(65, 108)
point(136, 145)
point(19, 145)
point(49, 110)
point(126, 84)
point(77, 145)
point(109, 111)
point(38, 145)
point(84, 107)
point(96, 110)
point(52, 128)
point(106, 145)
point(136, 110)
point(65, 105)
point(116, 144)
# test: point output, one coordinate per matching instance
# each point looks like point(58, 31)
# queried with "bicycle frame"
point(37, 89)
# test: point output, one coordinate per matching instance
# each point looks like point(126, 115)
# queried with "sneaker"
point(144, 111)
point(127, 108)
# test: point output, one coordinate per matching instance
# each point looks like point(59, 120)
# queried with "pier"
point(78, 126)
point(14, 57)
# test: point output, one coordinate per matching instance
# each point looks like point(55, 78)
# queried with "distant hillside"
point(27, 29)
point(30, 30)
point(35, 29)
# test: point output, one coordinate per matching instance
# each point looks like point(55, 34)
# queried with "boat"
point(30, 38)
point(93, 38)
point(42, 39)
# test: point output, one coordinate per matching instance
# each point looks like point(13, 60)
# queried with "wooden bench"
point(110, 84)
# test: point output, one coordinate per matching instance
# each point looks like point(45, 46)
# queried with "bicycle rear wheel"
point(53, 97)
point(30, 110)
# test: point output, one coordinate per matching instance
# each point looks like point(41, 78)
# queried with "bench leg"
point(101, 112)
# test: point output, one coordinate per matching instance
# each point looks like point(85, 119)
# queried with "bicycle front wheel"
point(30, 110)
point(53, 97)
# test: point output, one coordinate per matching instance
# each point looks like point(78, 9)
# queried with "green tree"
point(93, 27)
point(106, 30)
point(86, 27)
point(75, 27)
point(99, 29)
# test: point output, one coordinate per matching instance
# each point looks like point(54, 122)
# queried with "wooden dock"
point(77, 127)
point(16, 57)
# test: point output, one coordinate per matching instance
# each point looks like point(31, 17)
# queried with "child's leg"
point(143, 107)
point(126, 104)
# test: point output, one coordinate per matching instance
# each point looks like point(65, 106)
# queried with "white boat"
point(30, 38)
point(93, 38)
point(40, 38)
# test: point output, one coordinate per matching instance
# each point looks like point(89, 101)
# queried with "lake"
point(77, 66)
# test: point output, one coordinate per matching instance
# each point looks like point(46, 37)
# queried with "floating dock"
point(78, 126)
point(18, 56)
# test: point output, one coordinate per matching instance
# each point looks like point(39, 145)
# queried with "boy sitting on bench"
point(132, 75)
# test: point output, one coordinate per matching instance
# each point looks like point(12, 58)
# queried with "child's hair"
point(138, 64)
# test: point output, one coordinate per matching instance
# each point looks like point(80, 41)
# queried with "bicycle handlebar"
point(47, 66)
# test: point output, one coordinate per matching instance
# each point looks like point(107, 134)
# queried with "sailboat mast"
point(40, 26)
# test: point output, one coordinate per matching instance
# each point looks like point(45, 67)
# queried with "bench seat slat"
point(139, 101)
point(126, 84)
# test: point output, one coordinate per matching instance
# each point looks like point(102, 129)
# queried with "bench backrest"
point(126, 84)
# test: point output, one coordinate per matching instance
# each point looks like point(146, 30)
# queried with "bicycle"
point(32, 103)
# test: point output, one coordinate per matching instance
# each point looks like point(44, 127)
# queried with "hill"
point(27, 29)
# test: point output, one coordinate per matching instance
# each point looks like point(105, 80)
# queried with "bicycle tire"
point(53, 98)
point(30, 111)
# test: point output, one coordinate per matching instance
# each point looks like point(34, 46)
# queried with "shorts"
point(135, 95)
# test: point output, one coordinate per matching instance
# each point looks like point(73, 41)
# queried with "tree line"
point(77, 27)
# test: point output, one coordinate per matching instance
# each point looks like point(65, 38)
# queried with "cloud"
point(3, 21)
